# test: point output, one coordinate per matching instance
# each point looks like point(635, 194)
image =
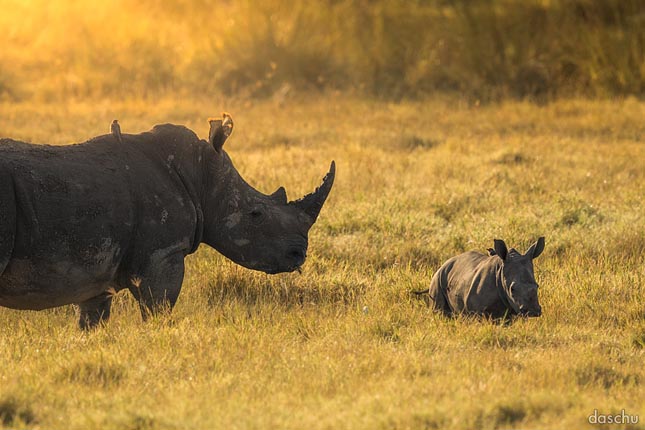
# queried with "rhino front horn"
point(311, 204)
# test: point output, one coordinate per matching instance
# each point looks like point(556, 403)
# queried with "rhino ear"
point(220, 130)
point(536, 249)
point(501, 249)
point(280, 196)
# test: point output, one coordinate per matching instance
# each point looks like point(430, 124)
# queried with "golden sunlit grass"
point(344, 345)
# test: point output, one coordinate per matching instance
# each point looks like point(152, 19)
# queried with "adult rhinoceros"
point(80, 222)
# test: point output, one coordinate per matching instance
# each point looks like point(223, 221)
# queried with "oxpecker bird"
point(220, 130)
point(115, 129)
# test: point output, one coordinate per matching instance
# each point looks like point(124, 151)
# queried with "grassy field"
point(345, 345)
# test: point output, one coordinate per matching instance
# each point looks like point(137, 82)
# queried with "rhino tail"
point(418, 293)
point(7, 219)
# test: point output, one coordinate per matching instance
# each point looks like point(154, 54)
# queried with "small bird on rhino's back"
point(115, 129)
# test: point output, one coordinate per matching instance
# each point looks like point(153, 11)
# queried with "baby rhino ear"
point(500, 249)
point(536, 249)
point(220, 130)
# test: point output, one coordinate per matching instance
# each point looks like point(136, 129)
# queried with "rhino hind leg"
point(438, 295)
point(95, 311)
point(157, 288)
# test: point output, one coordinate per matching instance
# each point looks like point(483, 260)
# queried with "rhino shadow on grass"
point(80, 222)
point(500, 284)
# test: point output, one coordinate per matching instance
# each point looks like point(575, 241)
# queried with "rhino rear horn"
point(311, 204)
point(220, 130)
point(280, 196)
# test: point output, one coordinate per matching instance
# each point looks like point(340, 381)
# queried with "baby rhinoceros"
point(498, 285)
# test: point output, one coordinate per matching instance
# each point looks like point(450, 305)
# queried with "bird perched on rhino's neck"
point(220, 129)
point(115, 129)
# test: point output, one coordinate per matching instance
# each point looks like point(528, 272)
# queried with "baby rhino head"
point(518, 279)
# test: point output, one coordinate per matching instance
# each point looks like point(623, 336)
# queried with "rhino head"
point(264, 232)
point(518, 279)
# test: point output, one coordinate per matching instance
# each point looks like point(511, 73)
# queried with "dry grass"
point(345, 345)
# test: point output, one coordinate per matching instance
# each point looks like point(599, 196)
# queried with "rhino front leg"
point(157, 287)
point(95, 311)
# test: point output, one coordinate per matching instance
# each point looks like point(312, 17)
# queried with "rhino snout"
point(533, 311)
point(296, 258)
point(297, 254)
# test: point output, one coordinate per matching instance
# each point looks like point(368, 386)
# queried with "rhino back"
point(483, 296)
point(62, 192)
point(459, 274)
point(469, 282)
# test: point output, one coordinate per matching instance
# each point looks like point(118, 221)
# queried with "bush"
point(480, 49)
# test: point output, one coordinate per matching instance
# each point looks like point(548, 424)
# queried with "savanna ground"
point(345, 345)
point(420, 104)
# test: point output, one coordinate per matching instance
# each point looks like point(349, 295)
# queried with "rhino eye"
point(256, 215)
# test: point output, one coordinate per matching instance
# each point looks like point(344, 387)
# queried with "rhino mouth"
point(531, 313)
point(289, 260)
point(297, 267)
point(281, 267)
point(275, 271)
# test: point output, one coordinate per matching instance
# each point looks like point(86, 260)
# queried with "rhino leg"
point(437, 292)
point(157, 287)
point(7, 219)
point(95, 311)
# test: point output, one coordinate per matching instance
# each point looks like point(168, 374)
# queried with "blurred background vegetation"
point(481, 50)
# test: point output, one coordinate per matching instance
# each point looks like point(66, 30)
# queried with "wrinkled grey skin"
point(81, 222)
point(500, 284)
